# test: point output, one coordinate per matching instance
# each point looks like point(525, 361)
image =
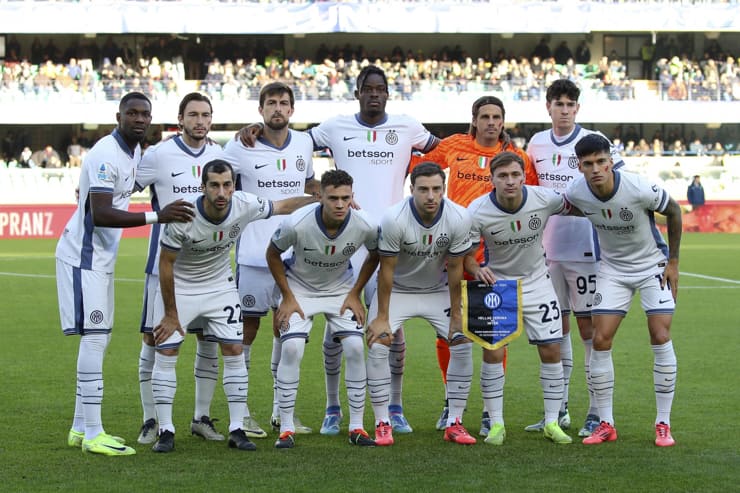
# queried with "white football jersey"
point(513, 240)
point(630, 241)
point(203, 263)
point(173, 171)
point(320, 265)
point(272, 172)
point(422, 251)
point(567, 238)
point(109, 167)
point(376, 156)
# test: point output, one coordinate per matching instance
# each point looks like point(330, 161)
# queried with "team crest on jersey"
point(426, 239)
point(96, 317)
point(443, 241)
point(391, 138)
point(103, 172)
point(300, 164)
point(218, 235)
point(516, 226)
point(349, 250)
point(329, 249)
point(281, 164)
point(372, 135)
point(535, 223)
point(248, 301)
point(597, 299)
point(196, 170)
point(626, 215)
point(235, 230)
point(606, 213)
point(573, 162)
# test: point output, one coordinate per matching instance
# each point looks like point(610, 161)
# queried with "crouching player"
point(423, 242)
point(318, 279)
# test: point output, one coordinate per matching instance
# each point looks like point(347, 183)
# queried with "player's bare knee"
point(494, 355)
point(148, 338)
point(169, 351)
point(231, 349)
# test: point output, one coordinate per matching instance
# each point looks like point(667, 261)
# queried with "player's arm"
point(312, 187)
point(380, 327)
point(287, 206)
point(288, 305)
point(472, 267)
point(105, 215)
point(455, 267)
point(170, 322)
point(353, 301)
point(672, 213)
point(530, 172)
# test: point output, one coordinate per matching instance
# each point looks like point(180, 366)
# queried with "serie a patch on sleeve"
point(492, 315)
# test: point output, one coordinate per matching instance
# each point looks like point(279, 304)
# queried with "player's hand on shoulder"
point(248, 135)
point(180, 211)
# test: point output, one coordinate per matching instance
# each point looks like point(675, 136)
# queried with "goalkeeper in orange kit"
point(467, 156)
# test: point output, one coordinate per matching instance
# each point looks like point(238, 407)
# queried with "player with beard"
point(280, 165)
point(172, 170)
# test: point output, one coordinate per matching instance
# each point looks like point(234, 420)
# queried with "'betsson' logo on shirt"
point(376, 157)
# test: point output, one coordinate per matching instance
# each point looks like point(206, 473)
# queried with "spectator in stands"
point(583, 53)
point(695, 193)
point(47, 158)
point(647, 54)
point(25, 159)
point(562, 53)
point(74, 153)
point(542, 50)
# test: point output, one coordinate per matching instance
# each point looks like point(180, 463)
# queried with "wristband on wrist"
point(151, 217)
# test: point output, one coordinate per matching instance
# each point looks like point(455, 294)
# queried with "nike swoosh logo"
point(497, 232)
point(242, 388)
point(462, 158)
point(409, 242)
point(348, 138)
point(198, 241)
point(588, 305)
point(663, 301)
point(260, 166)
point(540, 160)
point(176, 174)
point(120, 449)
point(238, 333)
point(554, 331)
point(588, 213)
point(309, 249)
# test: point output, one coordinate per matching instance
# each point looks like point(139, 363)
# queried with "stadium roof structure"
point(497, 16)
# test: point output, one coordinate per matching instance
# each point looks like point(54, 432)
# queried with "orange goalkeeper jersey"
point(469, 174)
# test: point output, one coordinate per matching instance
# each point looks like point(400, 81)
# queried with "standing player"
point(196, 283)
point(86, 256)
point(511, 221)
point(621, 207)
point(279, 165)
point(467, 157)
point(172, 169)
point(570, 242)
point(423, 242)
point(375, 148)
point(318, 279)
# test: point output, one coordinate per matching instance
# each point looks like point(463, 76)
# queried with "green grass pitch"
point(37, 397)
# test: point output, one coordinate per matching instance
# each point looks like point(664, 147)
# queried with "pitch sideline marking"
point(48, 276)
point(710, 278)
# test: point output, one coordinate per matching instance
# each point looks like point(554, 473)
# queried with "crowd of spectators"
point(230, 72)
